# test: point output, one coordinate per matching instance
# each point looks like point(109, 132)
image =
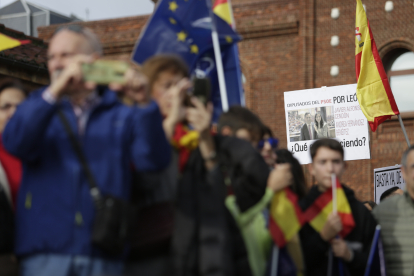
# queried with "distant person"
point(396, 217)
point(267, 147)
point(391, 192)
point(12, 94)
point(369, 204)
point(327, 159)
point(242, 123)
point(307, 132)
point(321, 128)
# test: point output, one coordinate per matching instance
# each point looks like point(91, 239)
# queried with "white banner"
point(332, 112)
point(386, 178)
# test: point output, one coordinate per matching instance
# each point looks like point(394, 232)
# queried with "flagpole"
point(242, 96)
point(403, 129)
point(219, 62)
point(334, 200)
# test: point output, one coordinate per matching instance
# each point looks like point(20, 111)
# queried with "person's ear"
point(226, 131)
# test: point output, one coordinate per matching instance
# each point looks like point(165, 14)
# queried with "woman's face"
point(161, 87)
point(10, 98)
point(318, 118)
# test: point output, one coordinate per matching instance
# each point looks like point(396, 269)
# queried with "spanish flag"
point(223, 9)
point(286, 217)
point(8, 42)
point(317, 214)
point(373, 89)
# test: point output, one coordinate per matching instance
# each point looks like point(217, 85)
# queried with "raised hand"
point(332, 227)
point(280, 177)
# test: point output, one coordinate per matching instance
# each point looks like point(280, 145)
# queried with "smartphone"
point(105, 71)
point(201, 89)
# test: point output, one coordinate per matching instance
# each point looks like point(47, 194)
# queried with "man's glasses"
point(272, 141)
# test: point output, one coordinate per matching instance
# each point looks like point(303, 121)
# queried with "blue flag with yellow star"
point(184, 27)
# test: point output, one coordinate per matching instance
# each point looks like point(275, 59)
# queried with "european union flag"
point(184, 27)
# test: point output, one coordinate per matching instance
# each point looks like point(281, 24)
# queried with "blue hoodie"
point(54, 208)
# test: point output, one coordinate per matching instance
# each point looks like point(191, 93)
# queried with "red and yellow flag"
point(223, 9)
point(317, 214)
point(373, 90)
point(8, 42)
point(286, 217)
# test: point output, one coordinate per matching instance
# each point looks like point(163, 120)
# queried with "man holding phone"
point(55, 210)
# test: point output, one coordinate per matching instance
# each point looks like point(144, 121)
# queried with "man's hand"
point(199, 116)
point(341, 249)
point(135, 86)
point(70, 78)
point(280, 177)
point(332, 227)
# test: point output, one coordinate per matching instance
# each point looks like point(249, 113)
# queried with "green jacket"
point(396, 217)
point(256, 236)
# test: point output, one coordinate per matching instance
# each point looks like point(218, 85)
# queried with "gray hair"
point(90, 36)
point(404, 156)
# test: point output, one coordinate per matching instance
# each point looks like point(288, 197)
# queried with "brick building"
point(287, 47)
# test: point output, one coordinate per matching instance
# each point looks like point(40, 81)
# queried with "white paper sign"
point(332, 112)
point(386, 178)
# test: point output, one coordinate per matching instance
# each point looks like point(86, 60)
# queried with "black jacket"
point(206, 239)
point(6, 224)
point(304, 133)
point(316, 250)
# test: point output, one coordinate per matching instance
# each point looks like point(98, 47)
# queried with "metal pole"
point(219, 62)
point(403, 129)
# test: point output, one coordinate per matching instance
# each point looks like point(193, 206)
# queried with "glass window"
point(401, 75)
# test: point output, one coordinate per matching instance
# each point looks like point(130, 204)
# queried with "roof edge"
point(21, 36)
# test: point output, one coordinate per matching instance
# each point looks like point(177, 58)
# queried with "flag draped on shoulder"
point(317, 214)
point(373, 89)
point(184, 28)
point(7, 42)
point(286, 217)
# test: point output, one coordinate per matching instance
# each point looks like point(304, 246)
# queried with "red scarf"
point(185, 140)
point(13, 168)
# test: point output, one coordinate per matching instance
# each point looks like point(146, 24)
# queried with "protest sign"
point(386, 178)
point(331, 112)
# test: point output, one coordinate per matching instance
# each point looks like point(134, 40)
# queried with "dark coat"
point(304, 133)
point(316, 250)
point(206, 239)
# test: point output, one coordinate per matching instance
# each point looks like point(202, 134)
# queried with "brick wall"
point(291, 61)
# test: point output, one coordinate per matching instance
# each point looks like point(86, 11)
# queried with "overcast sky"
point(98, 9)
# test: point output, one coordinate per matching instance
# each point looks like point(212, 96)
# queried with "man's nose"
point(330, 167)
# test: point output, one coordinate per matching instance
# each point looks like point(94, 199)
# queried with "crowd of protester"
point(196, 202)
